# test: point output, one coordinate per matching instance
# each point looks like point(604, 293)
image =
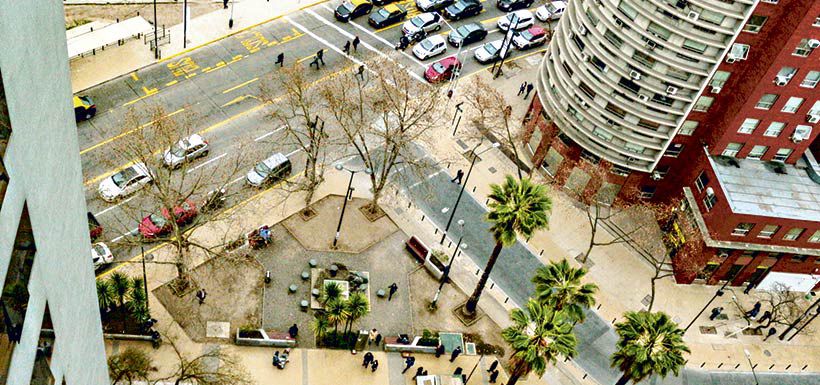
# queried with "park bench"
point(391, 344)
point(270, 338)
point(417, 248)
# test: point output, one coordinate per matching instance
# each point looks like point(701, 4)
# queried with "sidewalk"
point(120, 60)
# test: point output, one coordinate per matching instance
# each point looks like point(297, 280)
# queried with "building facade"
point(45, 262)
point(714, 102)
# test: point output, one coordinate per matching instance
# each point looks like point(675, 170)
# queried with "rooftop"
point(769, 189)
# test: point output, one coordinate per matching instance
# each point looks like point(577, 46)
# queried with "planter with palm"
point(517, 207)
point(120, 286)
point(357, 307)
point(137, 302)
point(559, 286)
point(539, 335)
point(648, 344)
point(105, 296)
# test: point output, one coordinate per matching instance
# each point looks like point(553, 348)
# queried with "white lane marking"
point(236, 180)
point(293, 152)
point(206, 163)
point(114, 206)
point(269, 134)
point(132, 232)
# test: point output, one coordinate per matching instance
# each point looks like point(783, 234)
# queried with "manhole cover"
point(469, 349)
point(645, 301)
point(399, 210)
point(218, 329)
point(492, 170)
point(461, 143)
point(588, 264)
point(708, 330)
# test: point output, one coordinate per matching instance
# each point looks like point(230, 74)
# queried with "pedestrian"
point(200, 295)
point(493, 376)
point(374, 366)
point(368, 358)
point(424, 373)
point(458, 371)
point(320, 55)
point(403, 43)
point(293, 331)
point(522, 88)
point(393, 288)
point(439, 350)
point(360, 73)
point(224, 4)
point(767, 315)
point(346, 48)
point(753, 313)
point(356, 43)
point(748, 288)
point(419, 371)
point(455, 353)
point(371, 336)
point(529, 89)
point(315, 62)
point(408, 363)
point(492, 366)
point(715, 313)
point(280, 59)
point(378, 338)
point(459, 175)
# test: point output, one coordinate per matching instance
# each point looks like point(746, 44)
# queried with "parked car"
point(382, 2)
point(551, 11)
point(351, 9)
point(125, 182)
point(186, 150)
point(433, 5)
point(101, 255)
point(533, 37)
point(388, 15)
point(276, 167)
point(463, 9)
point(94, 227)
point(442, 70)
point(84, 108)
point(427, 22)
point(429, 47)
point(512, 5)
point(467, 34)
point(156, 225)
point(525, 20)
point(490, 52)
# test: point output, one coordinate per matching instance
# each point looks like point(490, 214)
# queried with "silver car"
point(187, 149)
point(125, 182)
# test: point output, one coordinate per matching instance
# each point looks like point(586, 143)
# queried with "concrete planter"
point(266, 340)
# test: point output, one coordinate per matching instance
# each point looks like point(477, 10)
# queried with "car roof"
point(275, 160)
point(473, 26)
point(359, 2)
point(193, 140)
point(436, 39)
point(394, 7)
point(536, 30)
point(448, 60)
point(521, 13)
point(559, 4)
point(426, 15)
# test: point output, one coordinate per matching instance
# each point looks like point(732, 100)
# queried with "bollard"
point(474, 188)
point(613, 320)
point(754, 367)
point(267, 277)
point(435, 232)
point(409, 204)
point(487, 202)
point(459, 253)
point(788, 366)
point(804, 368)
point(118, 20)
point(449, 244)
point(599, 307)
point(492, 285)
point(507, 300)
point(422, 217)
point(541, 253)
point(770, 367)
point(737, 366)
point(721, 364)
point(703, 364)
point(584, 377)
point(477, 271)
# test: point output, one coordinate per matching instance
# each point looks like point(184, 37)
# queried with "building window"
point(784, 76)
point(587, 90)
point(793, 234)
point(703, 103)
point(678, 74)
point(661, 171)
point(688, 127)
point(803, 48)
point(597, 63)
point(782, 154)
point(599, 132)
point(757, 152)
point(815, 238)
point(694, 46)
point(766, 101)
point(701, 181)
point(614, 39)
point(768, 231)
point(748, 126)
point(632, 147)
point(647, 192)
point(739, 52)
point(627, 10)
point(711, 17)
point(755, 24)
point(732, 149)
point(629, 85)
point(792, 105)
point(774, 130)
point(674, 150)
point(719, 79)
point(614, 109)
point(710, 199)
point(663, 100)
point(592, 18)
point(770, 1)
point(574, 113)
point(811, 79)
point(816, 22)
point(742, 229)
point(644, 59)
point(658, 31)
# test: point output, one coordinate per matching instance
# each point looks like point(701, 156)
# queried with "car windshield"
point(179, 148)
point(417, 21)
point(526, 35)
point(98, 249)
point(463, 31)
point(461, 5)
point(427, 45)
point(123, 176)
point(348, 6)
point(383, 13)
point(262, 169)
point(158, 220)
point(551, 8)
point(438, 67)
point(490, 48)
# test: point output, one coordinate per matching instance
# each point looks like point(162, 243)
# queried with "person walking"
point(459, 175)
point(458, 371)
point(530, 86)
point(767, 315)
point(748, 288)
point(419, 371)
point(393, 288)
point(371, 336)
point(715, 313)
point(280, 59)
point(493, 376)
point(455, 353)
point(346, 48)
point(320, 54)
point(200, 295)
point(360, 72)
point(753, 313)
point(293, 331)
point(356, 42)
point(492, 366)
point(439, 350)
point(368, 358)
point(522, 88)
point(374, 366)
point(378, 338)
point(315, 62)
point(408, 363)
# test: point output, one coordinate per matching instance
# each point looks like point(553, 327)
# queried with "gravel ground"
point(167, 14)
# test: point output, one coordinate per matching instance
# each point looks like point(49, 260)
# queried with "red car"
point(532, 37)
point(442, 70)
point(156, 225)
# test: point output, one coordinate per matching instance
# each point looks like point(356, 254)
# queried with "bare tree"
point(132, 364)
point(781, 302)
point(212, 367)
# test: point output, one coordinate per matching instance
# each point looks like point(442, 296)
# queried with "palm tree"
point(538, 336)
point(336, 312)
point(137, 302)
point(330, 291)
point(120, 285)
point(516, 208)
point(319, 326)
point(357, 307)
point(559, 286)
point(649, 343)
point(105, 296)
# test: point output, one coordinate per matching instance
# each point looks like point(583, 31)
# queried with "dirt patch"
point(234, 288)
point(167, 14)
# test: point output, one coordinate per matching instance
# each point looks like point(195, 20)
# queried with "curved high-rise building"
point(620, 75)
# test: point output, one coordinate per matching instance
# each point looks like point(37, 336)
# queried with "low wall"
point(265, 341)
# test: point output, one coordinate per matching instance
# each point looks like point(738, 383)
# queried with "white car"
point(429, 47)
point(125, 182)
point(275, 168)
point(525, 20)
point(551, 11)
point(186, 149)
point(101, 255)
point(427, 22)
point(490, 52)
point(433, 5)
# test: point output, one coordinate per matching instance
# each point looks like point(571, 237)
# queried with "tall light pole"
point(156, 46)
point(749, 358)
point(797, 321)
point(184, 23)
point(449, 266)
point(230, 21)
point(505, 46)
point(805, 324)
point(341, 167)
point(463, 185)
point(718, 293)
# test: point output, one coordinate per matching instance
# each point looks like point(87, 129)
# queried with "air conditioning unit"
point(582, 30)
point(643, 97)
point(571, 35)
point(730, 58)
point(584, 56)
point(716, 90)
point(813, 118)
point(619, 22)
point(801, 133)
point(781, 80)
point(814, 43)
point(671, 90)
point(651, 44)
point(635, 75)
point(656, 175)
point(693, 15)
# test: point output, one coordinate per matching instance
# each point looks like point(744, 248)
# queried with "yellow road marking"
point(305, 58)
point(190, 75)
point(236, 59)
point(134, 76)
point(113, 138)
point(240, 85)
point(215, 67)
point(239, 99)
point(149, 91)
point(172, 82)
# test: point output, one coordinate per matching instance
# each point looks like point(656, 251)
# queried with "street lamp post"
point(718, 293)
point(340, 167)
point(463, 185)
point(505, 47)
point(449, 266)
point(230, 21)
point(794, 324)
point(156, 46)
point(805, 324)
point(749, 358)
point(184, 23)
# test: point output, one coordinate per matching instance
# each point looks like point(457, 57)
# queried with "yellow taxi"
point(84, 108)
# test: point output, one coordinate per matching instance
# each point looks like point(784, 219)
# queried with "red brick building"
point(743, 157)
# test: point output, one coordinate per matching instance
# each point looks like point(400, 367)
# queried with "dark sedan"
point(512, 5)
point(467, 34)
point(352, 9)
point(388, 15)
point(462, 9)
